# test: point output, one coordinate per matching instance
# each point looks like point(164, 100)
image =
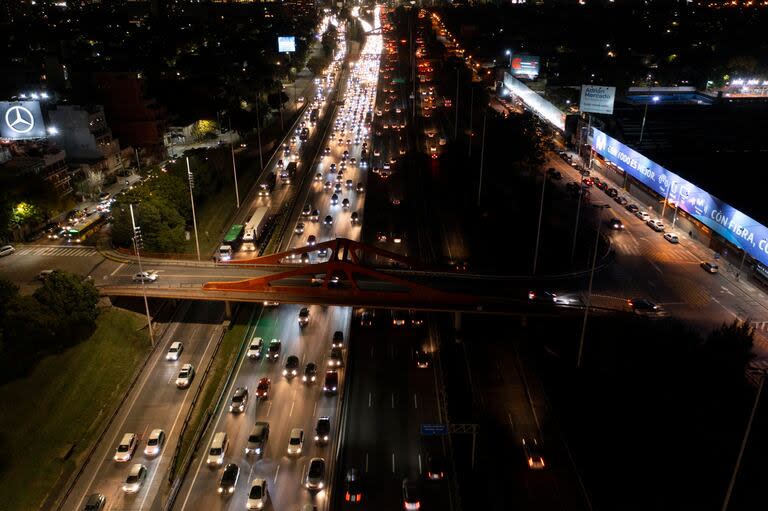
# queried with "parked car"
point(710, 267)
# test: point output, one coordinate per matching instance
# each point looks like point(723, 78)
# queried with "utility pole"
point(137, 244)
point(538, 229)
point(576, 227)
point(191, 180)
point(589, 296)
point(456, 106)
point(482, 154)
point(138, 162)
point(258, 131)
point(471, 106)
point(234, 167)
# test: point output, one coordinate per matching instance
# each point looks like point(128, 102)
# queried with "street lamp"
point(655, 100)
point(589, 296)
point(191, 180)
point(137, 244)
point(508, 53)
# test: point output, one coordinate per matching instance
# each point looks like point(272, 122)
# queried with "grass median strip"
point(225, 358)
point(49, 418)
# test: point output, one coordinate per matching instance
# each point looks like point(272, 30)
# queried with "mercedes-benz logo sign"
point(19, 119)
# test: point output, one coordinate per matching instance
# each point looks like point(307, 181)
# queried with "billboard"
point(730, 223)
point(535, 102)
point(286, 44)
point(21, 120)
point(597, 99)
point(525, 66)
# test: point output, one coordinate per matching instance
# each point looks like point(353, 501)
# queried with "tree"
point(94, 181)
point(72, 301)
point(728, 351)
point(317, 64)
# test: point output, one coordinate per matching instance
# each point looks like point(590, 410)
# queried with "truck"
point(254, 227)
point(266, 187)
point(288, 174)
point(313, 115)
point(231, 242)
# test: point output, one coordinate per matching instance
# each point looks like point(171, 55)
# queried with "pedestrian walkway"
point(58, 251)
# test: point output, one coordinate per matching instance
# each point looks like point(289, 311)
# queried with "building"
point(136, 119)
point(46, 161)
point(86, 138)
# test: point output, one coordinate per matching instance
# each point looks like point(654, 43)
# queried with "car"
point(44, 274)
point(228, 480)
point(186, 375)
point(396, 237)
point(262, 389)
point(295, 441)
point(542, 296)
point(327, 186)
point(381, 236)
point(422, 359)
point(533, 456)
point(126, 447)
point(643, 215)
point(336, 358)
point(322, 430)
point(174, 351)
point(95, 502)
point(255, 348)
point(554, 174)
point(323, 252)
point(709, 267)
point(306, 210)
point(331, 384)
point(314, 216)
point(311, 240)
point(416, 318)
point(270, 303)
point(310, 373)
point(436, 467)
point(345, 203)
point(304, 258)
point(144, 276)
point(135, 479)
point(612, 192)
point(656, 225)
point(291, 368)
point(334, 199)
point(155, 442)
point(239, 400)
point(257, 496)
point(319, 177)
point(353, 491)
point(632, 208)
point(411, 495)
point(643, 307)
point(328, 220)
point(672, 238)
point(299, 228)
point(315, 478)
point(615, 224)
point(622, 201)
point(398, 318)
point(273, 351)
point(338, 339)
point(367, 318)
point(257, 438)
point(303, 318)
point(359, 188)
point(337, 188)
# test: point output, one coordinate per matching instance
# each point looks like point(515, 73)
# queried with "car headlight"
point(294, 372)
point(221, 490)
point(317, 438)
point(231, 489)
point(334, 388)
point(285, 372)
point(325, 438)
point(320, 485)
point(304, 378)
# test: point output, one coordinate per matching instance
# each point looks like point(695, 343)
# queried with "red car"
point(262, 390)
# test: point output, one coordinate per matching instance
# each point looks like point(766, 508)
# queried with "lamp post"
point(234, 167)
point(137, 243)
point(482, 154)
point(655, 99)
point(191, 180)
point(743, 447)
point(508, 53)
point(538, 229)
point(258, 132)
point(576, 227)
point(666, 199)
point(471, 105)
point(456, 106)
point(589, 297)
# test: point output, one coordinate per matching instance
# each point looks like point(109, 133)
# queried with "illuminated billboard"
point(535, 102)
point(730, 223)
point(597, 99)
point(20, 120)
point(286, 44)
point(525, 66)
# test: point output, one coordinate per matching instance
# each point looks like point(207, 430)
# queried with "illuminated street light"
point(655, 99)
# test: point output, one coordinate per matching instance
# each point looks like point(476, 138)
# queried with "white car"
point(672, 238)
point(135, 478)
point(185, 377)
point(656, 225)
point(145, 276)
point(126, 447)
point(296, 441)
point(174, 351)
point(258, 496)
point(7, 250)
point(643, 215)
point(155, 442)
point(255, 348)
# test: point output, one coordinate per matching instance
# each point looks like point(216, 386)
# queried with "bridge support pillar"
point(227, 310)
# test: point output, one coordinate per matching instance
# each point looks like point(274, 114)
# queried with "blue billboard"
point(727, 221)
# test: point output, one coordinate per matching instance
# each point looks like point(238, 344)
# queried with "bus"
point(82, 230)
point(254, 227)
point(230, 242)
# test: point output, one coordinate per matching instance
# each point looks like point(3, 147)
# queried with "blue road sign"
point(434, 429)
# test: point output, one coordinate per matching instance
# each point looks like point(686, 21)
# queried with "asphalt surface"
point(154, 402)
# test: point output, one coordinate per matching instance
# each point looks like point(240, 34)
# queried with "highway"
point(292, 403)
point(154, 402)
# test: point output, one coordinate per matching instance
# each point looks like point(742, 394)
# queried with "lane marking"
point(419, 463)
point(369, 400)
point(366, 462)
point(415, 403)
point(274, 481)
point(393, 463)
point(122, 265)
point(290, 414)
point(393, 400)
